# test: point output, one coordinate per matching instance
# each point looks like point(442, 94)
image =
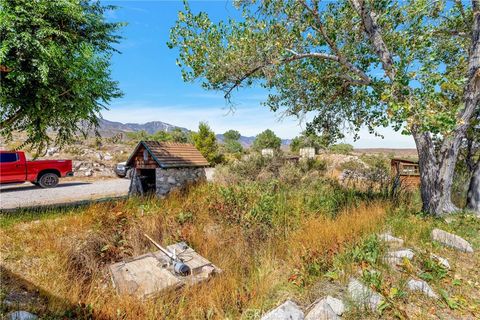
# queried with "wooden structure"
point(406, 173)
point(151, 273)
point(163, 166)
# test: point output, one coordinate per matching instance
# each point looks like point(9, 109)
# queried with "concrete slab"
point(151, 273)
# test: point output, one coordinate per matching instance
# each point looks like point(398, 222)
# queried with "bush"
point(255, 167)
point(371, 174)
point(342, 148)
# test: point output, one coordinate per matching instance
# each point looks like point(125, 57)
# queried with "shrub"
point(342, 148)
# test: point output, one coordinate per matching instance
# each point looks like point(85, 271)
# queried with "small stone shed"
point(406, 173)
point(161, 167)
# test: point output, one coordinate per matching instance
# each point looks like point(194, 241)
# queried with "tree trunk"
point(436, 173)
point(473, 196)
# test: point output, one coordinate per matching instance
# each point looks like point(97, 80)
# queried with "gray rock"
point(326, 308)
point(77, 165)
point(88, 172)
point(422, 286)
point(442, 261)
point(386, 237)
point(322, 311)
point(21, 315)
point(336, 304)
point(451, 240)
point(289, 310)
point(107, 157)
point(51, 151)
point(363, 296)
point(396, 257)
point(171, 180)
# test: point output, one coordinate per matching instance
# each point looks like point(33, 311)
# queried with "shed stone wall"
point(177, 178)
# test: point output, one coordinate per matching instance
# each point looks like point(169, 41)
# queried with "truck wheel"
point(48, 180)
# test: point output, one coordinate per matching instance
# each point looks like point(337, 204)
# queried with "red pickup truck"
point(14, 168)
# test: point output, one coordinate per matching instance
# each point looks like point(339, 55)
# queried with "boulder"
point(77, 165)
point(442, 261)
point(326, 308)
point(107, 157)
point(396, 257)
point(336, 304)
point(88, 172)
point(51, 151)
point(422, 286)
point(289, 310)
point(387, 237)
point(322, 311)
point(451, 240)
point(363, 296)
point(21, 315)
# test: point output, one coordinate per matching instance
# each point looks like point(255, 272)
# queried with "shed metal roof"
point(396, 160)
point(172, 154)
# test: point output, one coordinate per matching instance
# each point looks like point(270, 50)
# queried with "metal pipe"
point(178, 265)
point(168, 253)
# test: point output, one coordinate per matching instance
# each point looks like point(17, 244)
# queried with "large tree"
point(206, 142)
point(55, 68)
point(470, 160)
point(231, 141)
point(413, 65)
point(266, 140)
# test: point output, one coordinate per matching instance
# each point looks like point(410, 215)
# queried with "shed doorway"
point(148, 180)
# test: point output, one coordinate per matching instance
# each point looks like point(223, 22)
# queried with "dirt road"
point(28, 195)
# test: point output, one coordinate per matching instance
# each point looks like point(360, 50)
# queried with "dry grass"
point(267, 254)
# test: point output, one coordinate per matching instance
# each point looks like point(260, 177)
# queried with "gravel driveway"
point(70, 191)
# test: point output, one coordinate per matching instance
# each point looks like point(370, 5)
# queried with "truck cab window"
point(8, 157)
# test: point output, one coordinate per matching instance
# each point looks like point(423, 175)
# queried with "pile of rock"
point(92, 168)
point(330, 308)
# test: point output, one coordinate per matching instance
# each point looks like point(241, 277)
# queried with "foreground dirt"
point(27, 195)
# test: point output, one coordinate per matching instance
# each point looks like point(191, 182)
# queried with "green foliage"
point(342, 148)
point(179, 135)
point(231, 143)
point(301, 52)
point(233, 135)
point(184, 217)
point(308, 139)
point(369, 251)
point(206, 142)
point(432, 270)
point(176, 135)
point(313, 164)
point(266, 139)
point(55, 61)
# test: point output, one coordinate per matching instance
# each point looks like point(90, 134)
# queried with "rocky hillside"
point(110, 128)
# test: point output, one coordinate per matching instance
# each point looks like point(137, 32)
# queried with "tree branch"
point(373, 31)
point(10, 120)
point(341, 58)
point(294, 57)
point(460, 7)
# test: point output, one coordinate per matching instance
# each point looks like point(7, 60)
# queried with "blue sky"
point(154, 90)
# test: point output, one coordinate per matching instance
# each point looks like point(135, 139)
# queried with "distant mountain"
point(248, 141)
point(109, 128)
